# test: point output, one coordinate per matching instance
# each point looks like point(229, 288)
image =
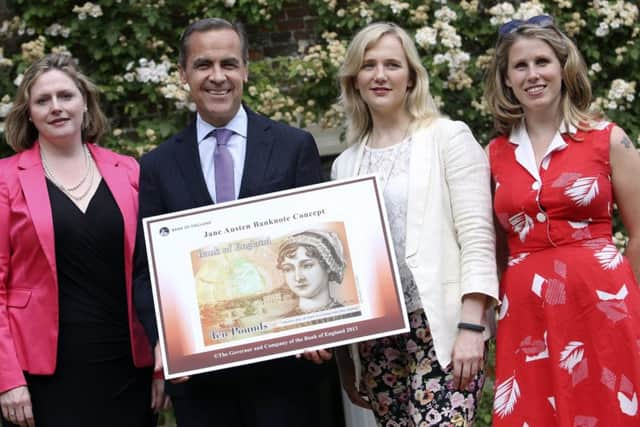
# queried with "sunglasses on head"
point(511, 26)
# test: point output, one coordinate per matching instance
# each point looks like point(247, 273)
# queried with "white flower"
point(149, 71)
point(448, 35)
point(18, 79)
point(602, 30)
point(5, 106)
point(505, 12)
point(445, 14)
point(88, 8)
point(501, 13)
point(396, 6)
point(439, 59)
point(616, 14)
point(57, 30)
point(426, 36)
point(529, 9)
point(621, 94)
point(229, 3)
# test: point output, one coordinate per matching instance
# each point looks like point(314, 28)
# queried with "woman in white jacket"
point(435, 181)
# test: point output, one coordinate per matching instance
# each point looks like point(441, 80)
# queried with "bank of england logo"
point(164, 231)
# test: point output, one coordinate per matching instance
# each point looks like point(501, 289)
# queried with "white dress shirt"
point(237, 146)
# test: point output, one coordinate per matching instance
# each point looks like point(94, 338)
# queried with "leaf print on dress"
point(571, 355)
point(613, 305)
point(619, 296)
point(535, 349)
point(628, 406)
point(507, 395)
point(536, 284)
point(560, 268)
point(521, 224)
point(614, 310)
point(583, 190)
point(555, 293)
point(608, 379)
point(580, 372)
point(564, 179)
point(515, 260)
point(582, 230)
point(609, 257)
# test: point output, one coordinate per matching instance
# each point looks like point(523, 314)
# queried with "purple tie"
point(223, 164)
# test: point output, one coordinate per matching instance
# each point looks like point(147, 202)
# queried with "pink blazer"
point(28, 276)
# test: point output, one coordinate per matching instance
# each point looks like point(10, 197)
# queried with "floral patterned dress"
point(568, 342)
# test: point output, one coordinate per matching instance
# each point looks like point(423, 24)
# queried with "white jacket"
point(450, 241)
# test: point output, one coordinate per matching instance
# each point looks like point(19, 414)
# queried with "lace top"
point(391, 164)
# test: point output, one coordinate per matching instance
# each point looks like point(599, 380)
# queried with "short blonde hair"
point(576, 89)
point(20, 132)
point(418, 103)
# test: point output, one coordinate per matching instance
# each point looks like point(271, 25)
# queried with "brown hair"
point(20, 132)
point(576, 89)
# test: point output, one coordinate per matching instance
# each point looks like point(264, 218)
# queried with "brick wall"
point(294, 28)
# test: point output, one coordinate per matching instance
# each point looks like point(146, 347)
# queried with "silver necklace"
point(88, 174)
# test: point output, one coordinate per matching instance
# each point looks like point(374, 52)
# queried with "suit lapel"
point(420, 164)
point(188, 159)
point(36, 195)
point(259, 149)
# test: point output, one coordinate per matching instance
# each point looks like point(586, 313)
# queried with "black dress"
point(95, 382)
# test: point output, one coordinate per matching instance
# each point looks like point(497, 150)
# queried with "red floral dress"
point(568, 343)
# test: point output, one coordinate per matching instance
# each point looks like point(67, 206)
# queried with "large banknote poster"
point(272, 276)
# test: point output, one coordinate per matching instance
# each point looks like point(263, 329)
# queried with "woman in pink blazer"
point(72, 351)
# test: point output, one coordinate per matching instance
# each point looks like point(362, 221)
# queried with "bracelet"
point(471, 327)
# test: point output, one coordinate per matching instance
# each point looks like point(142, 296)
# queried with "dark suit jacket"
point(278, 157)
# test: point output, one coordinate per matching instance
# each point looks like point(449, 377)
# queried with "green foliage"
point(129, 47)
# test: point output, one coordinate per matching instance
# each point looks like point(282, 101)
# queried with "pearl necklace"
point(88, 174)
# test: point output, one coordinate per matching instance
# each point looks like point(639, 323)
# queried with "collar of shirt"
point(237, 147)
point(238, 124)
point(524, 150)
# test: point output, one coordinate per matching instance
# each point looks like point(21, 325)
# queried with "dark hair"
point(288, 251)
point(21, 134)
point(209, 24)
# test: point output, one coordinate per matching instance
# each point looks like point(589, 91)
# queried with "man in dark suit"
point(259, 156)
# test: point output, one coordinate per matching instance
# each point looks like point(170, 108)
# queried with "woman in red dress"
point(568, 342)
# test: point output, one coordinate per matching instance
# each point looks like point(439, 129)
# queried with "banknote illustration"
point(257, 286)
